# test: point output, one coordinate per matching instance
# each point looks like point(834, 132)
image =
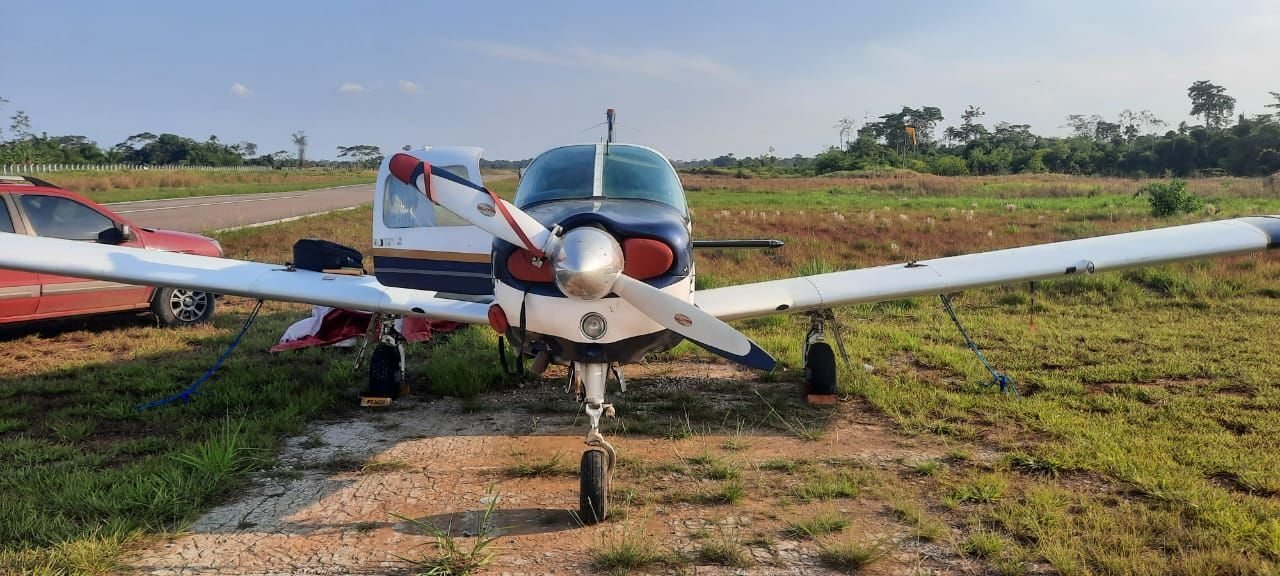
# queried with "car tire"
point(178, 307)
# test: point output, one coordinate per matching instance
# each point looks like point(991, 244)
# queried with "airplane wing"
point(1040, 262)
point(227, 276)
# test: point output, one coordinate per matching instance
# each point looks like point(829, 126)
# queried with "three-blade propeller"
point(503, 220)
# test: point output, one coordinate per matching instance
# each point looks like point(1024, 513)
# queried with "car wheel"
point(176, 307)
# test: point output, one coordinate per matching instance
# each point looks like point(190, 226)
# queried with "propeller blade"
point(691, 322)
point(472, 203)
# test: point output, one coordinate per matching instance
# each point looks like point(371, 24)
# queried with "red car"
point(31, 206)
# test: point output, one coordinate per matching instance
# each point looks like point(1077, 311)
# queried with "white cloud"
point(352, 88)
point(240, 89)
point(409, 87)
point(660, 63)
point(657, 63)
point(517, 53)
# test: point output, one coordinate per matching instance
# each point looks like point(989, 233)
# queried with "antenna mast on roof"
point(609, 116)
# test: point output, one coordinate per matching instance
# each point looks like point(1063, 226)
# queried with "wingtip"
point(1269, 225)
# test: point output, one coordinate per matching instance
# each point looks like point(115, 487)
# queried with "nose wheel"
point(598, 459)
point(593, 496)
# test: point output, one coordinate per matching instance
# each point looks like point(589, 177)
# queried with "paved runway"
point(207, 213)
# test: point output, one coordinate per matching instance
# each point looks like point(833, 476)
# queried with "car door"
point(419, 245)
point(54, 216)
point(19, 291)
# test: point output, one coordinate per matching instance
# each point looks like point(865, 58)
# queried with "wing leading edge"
point(1039, 262)
point(227, 276)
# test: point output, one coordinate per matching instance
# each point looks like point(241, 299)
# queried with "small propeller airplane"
point(592, 267)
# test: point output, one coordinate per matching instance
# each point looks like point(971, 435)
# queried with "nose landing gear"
point(599, 458)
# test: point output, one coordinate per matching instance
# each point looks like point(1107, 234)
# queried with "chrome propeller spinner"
point(587, 263)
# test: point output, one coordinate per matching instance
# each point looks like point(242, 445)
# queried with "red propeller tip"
point(405, 167)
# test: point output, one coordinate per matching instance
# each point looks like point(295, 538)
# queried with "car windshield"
point(629, 172)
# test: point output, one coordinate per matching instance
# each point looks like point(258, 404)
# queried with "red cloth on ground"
point(336, 325)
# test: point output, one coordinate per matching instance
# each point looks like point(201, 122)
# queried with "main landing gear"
point(386, 364)
point(819, 360)
point(588, 381)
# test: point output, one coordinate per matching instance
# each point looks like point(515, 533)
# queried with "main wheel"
point(593, 499)
point(820, 370)
point(178, 307)
point(385, 377)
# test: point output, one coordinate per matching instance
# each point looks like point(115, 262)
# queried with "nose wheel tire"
point(594, 495)
point(178, 307)
point(820, 370)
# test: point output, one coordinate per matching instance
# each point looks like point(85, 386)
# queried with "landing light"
point(593, 326)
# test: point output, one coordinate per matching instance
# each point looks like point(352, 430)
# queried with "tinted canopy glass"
point(558, 174)
point(641, 174)
point(628, 172)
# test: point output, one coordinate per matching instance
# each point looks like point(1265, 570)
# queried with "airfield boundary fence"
point(46, 168)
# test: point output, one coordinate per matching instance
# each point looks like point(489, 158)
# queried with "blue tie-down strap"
point(185, 396)
point(997, 378)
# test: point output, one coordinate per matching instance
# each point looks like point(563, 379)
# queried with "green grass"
point(523, 466)
point(848, 554)
point(982, 489)
point(723, 551)
point(982, 544)
point(627, 549)
point(928, 467)
point(911, 512)
point(829, 486)
point(80, 476)
point(107, 187)
point(452, 556)
point(710, 467)
point(463, 363)
point(820, 524)
point(724, 493)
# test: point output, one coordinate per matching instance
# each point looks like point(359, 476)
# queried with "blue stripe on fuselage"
point(438, 275)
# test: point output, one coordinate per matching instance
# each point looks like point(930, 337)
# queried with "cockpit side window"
point(403, 206)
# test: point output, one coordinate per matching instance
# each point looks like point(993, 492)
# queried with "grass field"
point(1143, 439)
point(108, 187)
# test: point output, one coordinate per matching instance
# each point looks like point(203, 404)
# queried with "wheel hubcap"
point(188, 305)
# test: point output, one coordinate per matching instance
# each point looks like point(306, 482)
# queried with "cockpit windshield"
point(628, 172)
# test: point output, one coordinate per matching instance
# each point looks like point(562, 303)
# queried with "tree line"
point(1132, 143)
point(19, 144)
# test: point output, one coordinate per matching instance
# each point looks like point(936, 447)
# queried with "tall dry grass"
point(93, 182)
point(907, 183)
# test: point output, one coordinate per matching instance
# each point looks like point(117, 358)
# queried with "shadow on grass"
point(95, 324)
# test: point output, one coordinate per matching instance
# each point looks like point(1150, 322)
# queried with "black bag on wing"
point(326, 256)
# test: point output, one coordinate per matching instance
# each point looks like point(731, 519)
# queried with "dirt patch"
point(351, 497)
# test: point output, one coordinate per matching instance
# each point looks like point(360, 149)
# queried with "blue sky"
point(693, 79)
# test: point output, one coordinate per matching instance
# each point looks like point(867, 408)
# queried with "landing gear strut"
point(599, 458)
